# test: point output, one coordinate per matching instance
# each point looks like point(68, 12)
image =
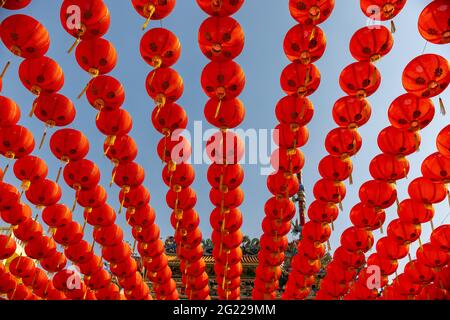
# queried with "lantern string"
point(5, 68)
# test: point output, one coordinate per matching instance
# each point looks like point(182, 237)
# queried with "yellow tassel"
point(5, 69)
point(59, 174)
point(44, 135)
point(152, 11)
point(5, 171)
point(33, 108)
point(84, 90)
point(76, 42)
point(219, 105)
point(442, 107)
point(393, 28)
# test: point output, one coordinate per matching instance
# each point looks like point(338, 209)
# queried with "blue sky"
point(265, 23)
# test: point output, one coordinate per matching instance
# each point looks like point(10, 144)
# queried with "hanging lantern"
point(311, 12)
point(360, 79)
point(40, 75)
point(300, 79)
point(221, 8)
point(371, 43)
point(153, 9)
point(432, 22)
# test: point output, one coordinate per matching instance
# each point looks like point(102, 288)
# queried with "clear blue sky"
point(265, 23)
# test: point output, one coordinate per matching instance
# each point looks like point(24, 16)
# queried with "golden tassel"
point(33, 108)
point(5, 68)
point(5, 171)
point(152, 11)
point(59, 173)
point(93, 245)
point(420, 244)
point(84, 224)
point(219, 105)
point(332, 225)
point(75, 43)
point(442, 107)
point(44, 135)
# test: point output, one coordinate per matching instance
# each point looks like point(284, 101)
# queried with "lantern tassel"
point(5, 171)
point(33, 108)
point(44, 135)
point(134, 246)
point(75, 43)
point(329, 245)
point(393, 28)
point(432, 225)
point(219, 105)
point(332, 225)
point(152, 11)
point(84, 224)
point(86, 87)
point(5, 68)
point(442, 106)
point(350, 178)
point(121, 205)
point(381, 229)
point(59, 173)
point(93, 245)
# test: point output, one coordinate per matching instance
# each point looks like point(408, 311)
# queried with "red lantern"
point(231, 199)
point(443, 141)
point(432, 22)
point(403, 232)
point(41, 75)
point(160, 48)
point(335, 168)
point(54, 263)
point(230, 115)
point(70, 234)
point(418, 272)
point(343, 142)
point(9, 196)
point(431, 256)
point(7, 247)
point(365, 217)
point(382, 10)
point(440, 238)
point(9, 112)
point(81, 174)
point(129, 175)
point(221, 39)
point(17, 214)
point(54, 110)
point(103, 216)
point(427, 191)
point(320, 211)
point(378, 194)
point(395, 141)
point(28, 230)
point(299, 79)
point(137, 197)
point(44, 193)
point(347, 259)
point(24, 36)
point(311, 11)
point(355, 239)
point(92, 198)
point(287, 160)
point(116, 254)
point(80, 252)
point(164, 85)
point(290, 136)
point(57, 215)
point(294, 110)
point(436, 167)
point(143, 216)
point(329, 190)
point(15, 4)
point(371, 43)
point(426, 76)
point(279, 208)
point(221, 8)
point(225, 147)
point(69, 145)
point(388, 248)
point(105, 93)
point(305, 44)
point(351, 112)
point(94, 18)
point(16, 142)
point(22, 267)
point(410, 112)
point(124, 150)
point(415, 211)
point(169, 119)
point(114, 123)
point(282, 184)
point(389, 168)
point(182, 175)
point(360, 79)
point(40, 247)
point(223, 81)
point(316, 232)
point(96, 56)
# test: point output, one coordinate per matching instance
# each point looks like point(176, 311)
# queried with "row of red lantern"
point(161, 49)
point(10, 286)
point(39, 247)
point(426, 277)
point(221, 39)
point(31, 171)
point(98, 57)
point(43, 76)
point(303, 45)
point(425, 76)
point(358, 80)
point(412, 213)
